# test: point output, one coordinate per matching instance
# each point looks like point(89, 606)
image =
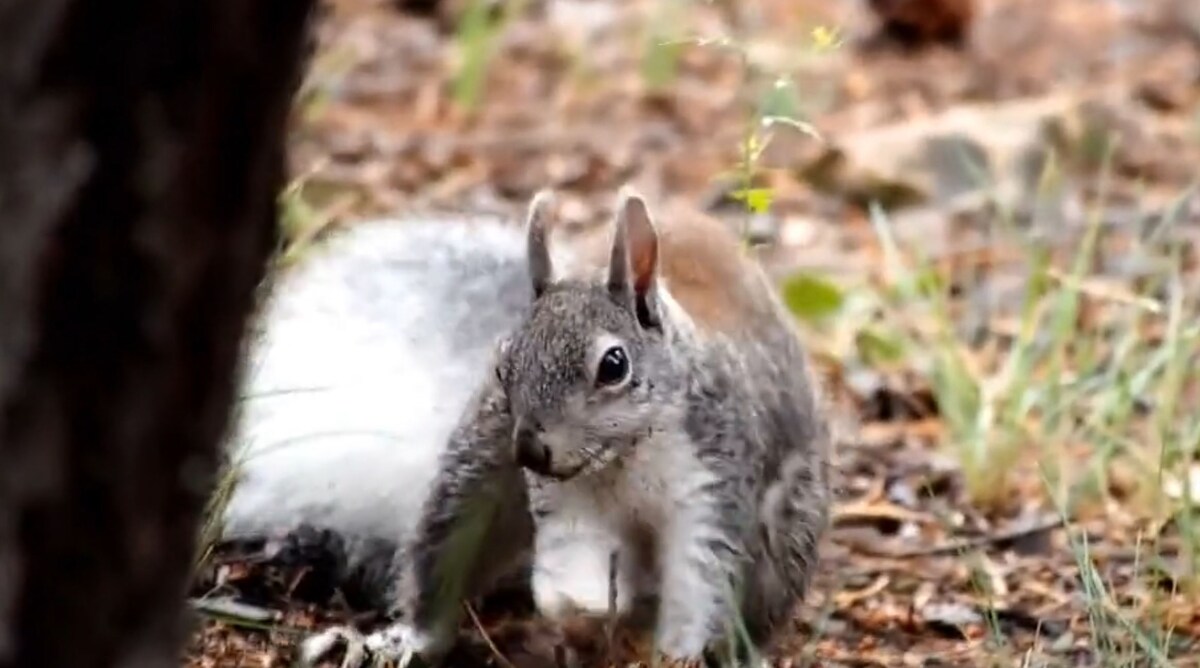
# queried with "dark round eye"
point(614, 366)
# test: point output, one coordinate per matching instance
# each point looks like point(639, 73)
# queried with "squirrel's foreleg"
point(475, 528)
point(475, 525)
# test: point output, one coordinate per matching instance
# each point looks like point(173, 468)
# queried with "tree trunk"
point(141, 150)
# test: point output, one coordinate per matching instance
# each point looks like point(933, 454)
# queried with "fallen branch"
point(236, 612)
point(889, 550)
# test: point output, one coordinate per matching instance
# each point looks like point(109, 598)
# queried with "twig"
point(1098, 291)
point(486, 638)
point(245, 616)
point(964, 544)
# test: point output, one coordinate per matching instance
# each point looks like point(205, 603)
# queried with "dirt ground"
point(920, 568)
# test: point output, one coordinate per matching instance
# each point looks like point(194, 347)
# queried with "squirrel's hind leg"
point(794, 518)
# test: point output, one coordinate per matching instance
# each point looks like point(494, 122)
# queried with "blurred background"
point(983, 214)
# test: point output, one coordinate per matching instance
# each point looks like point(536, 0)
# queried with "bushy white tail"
point(365, 355)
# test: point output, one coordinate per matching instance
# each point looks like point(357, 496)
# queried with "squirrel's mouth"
point(590, 460)
point(563, 475)
point(605, 456)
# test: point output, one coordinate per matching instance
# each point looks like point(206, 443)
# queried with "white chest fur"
point(656, 492)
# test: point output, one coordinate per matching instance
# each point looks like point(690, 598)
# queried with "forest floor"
point(992, 251)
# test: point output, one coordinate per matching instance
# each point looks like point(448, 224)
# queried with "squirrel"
point(652, 407)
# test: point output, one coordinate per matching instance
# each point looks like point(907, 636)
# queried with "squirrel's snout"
point(531, 452)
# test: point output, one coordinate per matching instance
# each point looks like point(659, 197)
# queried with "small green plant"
point(812, 297)
point(306, 209)
point(214, 510)
point(477, 32)
point(322, 82)
point(1116, 639)
point(1056, 383)
point(1074, 398)
point(776, 106)
point(299, 221)
point(660, 58)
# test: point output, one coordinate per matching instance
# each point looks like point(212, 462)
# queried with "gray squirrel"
point(633, 399)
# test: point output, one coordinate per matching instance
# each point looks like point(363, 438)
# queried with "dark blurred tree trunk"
point(141, 150)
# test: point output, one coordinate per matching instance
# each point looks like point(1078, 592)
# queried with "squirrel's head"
point(586, 371)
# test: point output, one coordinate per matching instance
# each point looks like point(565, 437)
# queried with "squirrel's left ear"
point(537, 221)
point(633, 267)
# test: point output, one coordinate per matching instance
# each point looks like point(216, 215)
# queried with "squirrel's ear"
point(537, 220)
point(633, 266)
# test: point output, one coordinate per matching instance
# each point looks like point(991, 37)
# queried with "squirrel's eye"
point(614, 366)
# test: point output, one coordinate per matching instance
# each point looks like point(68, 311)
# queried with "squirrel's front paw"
point(398, 646)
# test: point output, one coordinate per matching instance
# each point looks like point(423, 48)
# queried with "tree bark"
point(141, 151)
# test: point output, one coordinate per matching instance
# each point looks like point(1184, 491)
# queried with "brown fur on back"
point(703, 266)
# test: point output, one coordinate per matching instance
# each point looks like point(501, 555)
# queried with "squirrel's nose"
point(530, 451)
